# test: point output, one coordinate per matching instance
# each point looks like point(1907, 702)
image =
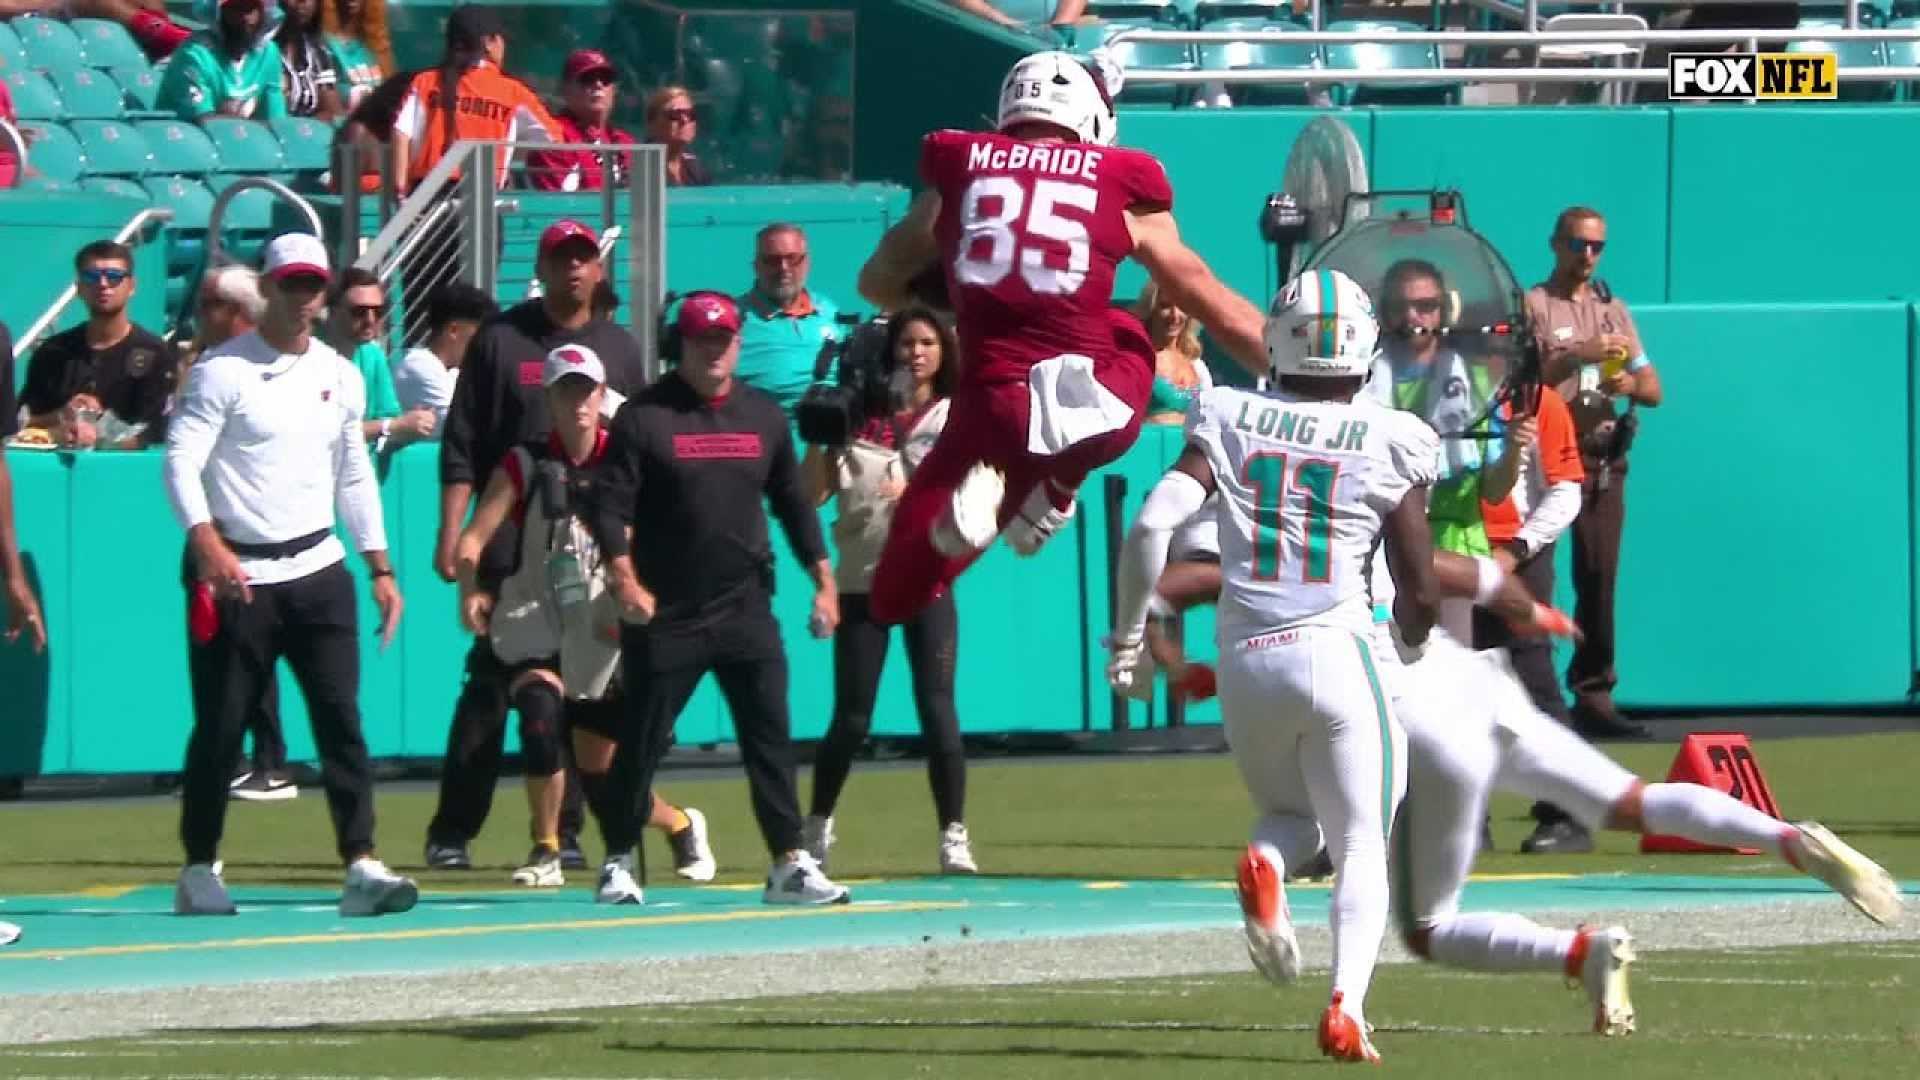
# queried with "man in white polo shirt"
point(264, 445)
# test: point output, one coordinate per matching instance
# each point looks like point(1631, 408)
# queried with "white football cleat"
point(616, 883)
point(692, 853)
point(9, 933)
point(372, 889)
point(800, 882)
point(1604, 974)
point(542, 870)
point(1867, 886)
point(1265, 917)
point(972, 518)
point(956, 855)
point(816, 835)
point(1037, 522)
point(202, 891)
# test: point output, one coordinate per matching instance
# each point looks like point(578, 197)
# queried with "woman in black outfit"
point(867, 477)
point(306, 64)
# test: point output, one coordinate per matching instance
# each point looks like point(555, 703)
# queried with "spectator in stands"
point(493, 106)
point(1591, 351)
point(105, 383)
point(227, 305)
point(361, 46)
point(785, 324)
point(309, 79)
point(586, 116)
point(10, 158)
point(358, 329)
point(1179, 375)
point(426, 376)
point(146, 20)
point(867, 477)
point(497, 405)
point(673, 123)
point(1065, 12)
point(230, 69)
point(369, 128)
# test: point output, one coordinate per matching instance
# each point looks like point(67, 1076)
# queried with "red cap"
point(585, 60)
point(560, 232)
point(703, 313)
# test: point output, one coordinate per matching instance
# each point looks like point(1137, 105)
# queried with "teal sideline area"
point(131, 940)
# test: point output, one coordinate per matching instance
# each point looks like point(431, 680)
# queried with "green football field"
point(1108, 853)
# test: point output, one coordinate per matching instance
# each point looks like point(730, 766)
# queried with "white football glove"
point(1409, 654)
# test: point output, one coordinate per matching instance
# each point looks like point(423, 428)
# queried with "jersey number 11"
point(1313, 478)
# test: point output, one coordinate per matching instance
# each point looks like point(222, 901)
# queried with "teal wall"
point(1769, 561)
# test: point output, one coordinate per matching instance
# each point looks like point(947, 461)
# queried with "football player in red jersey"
point(1026, 225)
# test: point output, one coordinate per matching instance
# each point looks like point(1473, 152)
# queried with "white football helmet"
point(1321, 323)
point(1058, 88)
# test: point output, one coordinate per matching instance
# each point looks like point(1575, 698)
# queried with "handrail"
point(48, 317)
point(425, 194)
point(216, 251)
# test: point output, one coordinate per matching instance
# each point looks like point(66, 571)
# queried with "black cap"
point(471, 24)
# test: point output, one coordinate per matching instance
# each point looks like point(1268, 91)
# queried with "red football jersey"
point(1030, 235)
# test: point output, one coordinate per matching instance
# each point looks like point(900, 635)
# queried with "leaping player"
point(1025, 226)
point(1311, 482)
point(1472, 727)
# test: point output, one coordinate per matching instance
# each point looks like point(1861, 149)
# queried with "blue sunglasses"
point(1578, 246)
point(94, 275)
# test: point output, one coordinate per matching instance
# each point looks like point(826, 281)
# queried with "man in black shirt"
point(108, 377)
point(498, 404)
point(680, 520)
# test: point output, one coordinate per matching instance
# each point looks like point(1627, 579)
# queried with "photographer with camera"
point(1591, 352)
point(909, 361)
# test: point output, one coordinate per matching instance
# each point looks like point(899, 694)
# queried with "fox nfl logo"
point(1752, 76)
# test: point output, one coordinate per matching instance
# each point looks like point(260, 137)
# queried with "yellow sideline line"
point(472, 931)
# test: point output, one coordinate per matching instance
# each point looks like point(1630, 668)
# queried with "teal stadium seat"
point(1851, 54)
point(307, 144)
point(44, 185)
point(112, 148)
point(179, 148)
point(1140, 54)
point(190, 201)
point(1387, 56)
point(1259, 56)
point(88, 94)
point(13, 55)
point(250, 211)
point(140, 85)
point(107, 44)
point(1904, 54)
point(53, 152)
point(1206, 11)
point(51, 44)
point(33, 97)
point(246, 146)
point(118, 186)
point(1159, 11)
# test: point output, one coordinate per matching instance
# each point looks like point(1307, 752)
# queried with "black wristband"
point(1518, 548)
point(388, 572)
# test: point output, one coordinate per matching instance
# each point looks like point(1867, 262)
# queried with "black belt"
point(284, 549)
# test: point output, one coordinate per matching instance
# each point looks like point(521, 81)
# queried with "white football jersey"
point(1304, 489)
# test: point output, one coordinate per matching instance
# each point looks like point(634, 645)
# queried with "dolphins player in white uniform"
point(1311, 483)
point(1471, 727)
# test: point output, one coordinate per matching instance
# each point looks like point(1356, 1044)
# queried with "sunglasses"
point(679, 116)
point(108, 276)
point(1425, 305)
point(597, 78)
point(782, 260)
point(1578, 246)
point(370, 311)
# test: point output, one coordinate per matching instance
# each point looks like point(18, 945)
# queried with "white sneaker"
point(542, 870)
point(801, 882)
point(1265, 917)
point(692, 854)
point(9, 933)
point(201, 891)
point(372, 889)
point(1037, 521)
point(1862, 881)
point(616, 883)
point(972, 518)
point(1604, 973)
point(816, 835)
point(956, 856)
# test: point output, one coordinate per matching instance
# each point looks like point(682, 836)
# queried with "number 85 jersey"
point(1030, 234)
point(1305, 487)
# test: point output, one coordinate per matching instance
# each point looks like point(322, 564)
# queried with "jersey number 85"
point(1003, 239)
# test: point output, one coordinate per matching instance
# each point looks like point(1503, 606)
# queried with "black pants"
point(859, 655)
point(1596, 569)
point(313, 624)
point(661, 664)
point(1532, 656)
point(263, 723)
point(476, 741)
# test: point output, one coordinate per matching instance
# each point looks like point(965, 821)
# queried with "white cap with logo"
point(573, 360)
point(295, 255)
